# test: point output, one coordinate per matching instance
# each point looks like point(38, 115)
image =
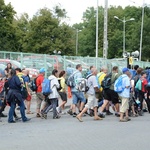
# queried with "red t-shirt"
point(144, 83)
point(39, 81)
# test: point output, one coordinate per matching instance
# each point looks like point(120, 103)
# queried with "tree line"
point(47, 31)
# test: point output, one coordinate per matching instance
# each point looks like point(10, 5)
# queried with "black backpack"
point(33, 86)
point(106, 83)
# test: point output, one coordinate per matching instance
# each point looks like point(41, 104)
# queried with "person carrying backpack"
point(108, 92)
point(124, 94)
point(91, 98)
point(142, 91)
point(53, 96)
point(40, 96)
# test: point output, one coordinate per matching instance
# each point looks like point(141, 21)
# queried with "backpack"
point(136, 78)
point(33, 86)
point(60, 87)
point(118, 87)
point(71, 81)
point(106, 83)
point(46, 87)
point(148, 75)
point(83, 85)
point(139, 85)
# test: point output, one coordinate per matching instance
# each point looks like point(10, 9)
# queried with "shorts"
point(111, 95)
point(78, 96)
point(63, 96)
point(124, 104)
point(91, 101)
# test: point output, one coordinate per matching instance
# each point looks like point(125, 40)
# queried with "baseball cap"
point(42, 70)
point(125, 70)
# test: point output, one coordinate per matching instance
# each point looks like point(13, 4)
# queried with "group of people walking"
point(93, 95)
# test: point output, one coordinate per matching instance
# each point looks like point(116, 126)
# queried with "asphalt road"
point(67, 133)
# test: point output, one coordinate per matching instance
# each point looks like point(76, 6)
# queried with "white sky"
point(74, 8)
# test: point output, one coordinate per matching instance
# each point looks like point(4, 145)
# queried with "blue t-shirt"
point(125, 83)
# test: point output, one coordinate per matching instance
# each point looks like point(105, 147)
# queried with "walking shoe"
point(0, 120)
point(123, 120)
point(135, 115)
point(2, 115)
point(38, 115)
point(12, 121)
point(28, 119)
point(101, 115)
point(79, 118)
point(117, 115)
point(98, 118)
point(58, 110)
point(127, 118)
point(17, 118)
point(140, 113)
point(70, 112)
point(56, 117)
point(43, 116)
point(109, 113)
point(91, 112)
point(74, 115)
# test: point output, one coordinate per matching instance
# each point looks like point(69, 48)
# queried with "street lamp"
point(124, 23)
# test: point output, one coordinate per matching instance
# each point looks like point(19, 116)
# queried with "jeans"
point(78, 96)
point(12, 110)
point(54, 102)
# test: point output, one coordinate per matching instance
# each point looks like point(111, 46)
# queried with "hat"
point(125, 70)
point(42, 70)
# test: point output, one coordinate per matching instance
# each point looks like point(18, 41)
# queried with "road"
point(67, 133)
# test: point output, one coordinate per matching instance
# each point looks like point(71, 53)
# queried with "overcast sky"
point(74, 8)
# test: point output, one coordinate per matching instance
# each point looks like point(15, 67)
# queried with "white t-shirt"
point(92, 83)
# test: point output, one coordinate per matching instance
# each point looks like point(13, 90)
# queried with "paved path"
point(67, 133)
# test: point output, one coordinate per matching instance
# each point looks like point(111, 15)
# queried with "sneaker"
point(43, 116)
point(28, 119)
point(17, 118)
point(145, 110)
point(2, 115)
point(0, 120)
point(57, 117)
point(38, 115)
point(79, 118)
point(127, 118)
point(98, 118)
point(117, 115)
point(70, 112)
point(109, 113)
point(91, 112)
point(135, 115)
point(12, 121)
point(123, 120)
point(74, 115)
point(58, 110)
point(101, 115)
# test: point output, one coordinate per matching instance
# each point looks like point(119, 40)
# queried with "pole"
point(105, 44)
point(124, 35)
point(141, 38)
point(97, 31)
point(76, 42)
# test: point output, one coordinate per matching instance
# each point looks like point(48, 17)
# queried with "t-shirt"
point(144, 83)
point(114, 77)
point(92, 83)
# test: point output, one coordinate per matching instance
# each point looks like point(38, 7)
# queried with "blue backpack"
point(118, 87)
point(46, 87)
point(148, 75)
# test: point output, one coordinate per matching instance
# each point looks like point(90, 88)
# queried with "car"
point(15, 64)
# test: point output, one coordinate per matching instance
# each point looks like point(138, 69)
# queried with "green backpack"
point(139, 85)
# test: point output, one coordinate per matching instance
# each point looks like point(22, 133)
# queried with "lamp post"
point(124, 30)
point(142, 23)
point(77, 41)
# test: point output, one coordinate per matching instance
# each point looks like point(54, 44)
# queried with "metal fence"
point(36, 61)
